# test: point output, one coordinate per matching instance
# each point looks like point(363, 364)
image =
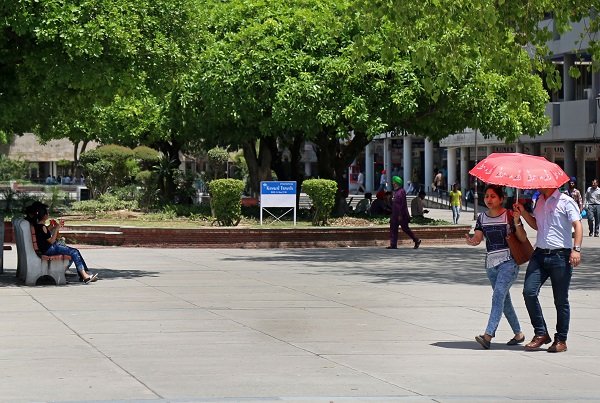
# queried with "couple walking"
point(554, 217)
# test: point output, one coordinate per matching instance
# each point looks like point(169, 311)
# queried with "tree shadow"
point(9, 278)
point(439, 265)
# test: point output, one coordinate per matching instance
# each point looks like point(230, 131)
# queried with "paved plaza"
point(294, 325)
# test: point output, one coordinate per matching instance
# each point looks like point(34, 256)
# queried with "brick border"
point(256, 238)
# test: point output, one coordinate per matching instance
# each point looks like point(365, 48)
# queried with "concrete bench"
point(31, 265)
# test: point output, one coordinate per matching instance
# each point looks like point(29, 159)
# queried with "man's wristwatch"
point(577, 248)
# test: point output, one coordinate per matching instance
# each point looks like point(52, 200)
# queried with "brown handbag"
point(520, 251)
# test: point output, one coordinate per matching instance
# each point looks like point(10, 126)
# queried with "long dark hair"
point(40, 213)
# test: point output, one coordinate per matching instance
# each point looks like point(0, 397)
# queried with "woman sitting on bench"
point(46, 237)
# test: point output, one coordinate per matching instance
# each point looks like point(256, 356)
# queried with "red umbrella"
point(521, 171)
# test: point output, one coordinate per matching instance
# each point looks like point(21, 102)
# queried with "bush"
point(149, 195)
point(148, 157)
point(108, 166)
point(226, 201)
point(105, 202)
point(12, 169)
point(217, 162)
point(322, 195)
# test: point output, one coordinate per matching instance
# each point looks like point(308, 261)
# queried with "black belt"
point(552, 251)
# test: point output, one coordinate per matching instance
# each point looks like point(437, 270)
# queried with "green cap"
point(398, 180)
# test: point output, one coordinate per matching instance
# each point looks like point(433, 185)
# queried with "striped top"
point(495, 230)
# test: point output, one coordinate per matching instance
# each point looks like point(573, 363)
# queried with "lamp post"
point(475, 193)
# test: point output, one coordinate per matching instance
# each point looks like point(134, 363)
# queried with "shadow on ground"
point(9, 278)
point(455, 265)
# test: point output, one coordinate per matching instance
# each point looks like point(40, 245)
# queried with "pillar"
point(428, 163)
point(580, 172)
point(387, 159)
point(569, 153)
point(464, 169)
point(451, 166)
point(369, 171)
point(407, 160)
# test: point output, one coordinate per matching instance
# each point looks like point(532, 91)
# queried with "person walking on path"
point(382, 181)
point(502, 271)
point(592, 204)
point(400, 216)
point(557, 252)
point(360, 181)
point(574, 193)
point(455, 202)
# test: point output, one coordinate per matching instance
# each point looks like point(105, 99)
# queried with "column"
point(451, 166)
point(569, 148)
point(428, 164)
point(307, 172)
point(595, 93)
point(580, 173)
point(518, 147)
point(369, 172)
point(464, 169)
point(387, 160)
point(488, 151)
point(407, 160)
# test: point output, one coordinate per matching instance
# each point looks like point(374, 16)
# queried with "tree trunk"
point(259, 164)
point(335, 156)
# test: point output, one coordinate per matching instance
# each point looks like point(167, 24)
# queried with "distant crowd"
point(64, 180)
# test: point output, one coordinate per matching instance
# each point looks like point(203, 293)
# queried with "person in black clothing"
point(46, 237)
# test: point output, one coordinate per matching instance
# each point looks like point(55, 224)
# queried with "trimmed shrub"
point(12, 169)
point(322, 195)
point(147, 157)
point(226, 201)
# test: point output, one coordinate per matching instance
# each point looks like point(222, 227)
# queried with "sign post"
point(277, 194)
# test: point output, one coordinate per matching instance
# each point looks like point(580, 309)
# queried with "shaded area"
point(9, 278)
point(454, 265)
point(473, 345)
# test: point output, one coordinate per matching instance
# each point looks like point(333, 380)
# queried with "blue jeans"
point(59, 249)
point(502, 278)
point(594, 218)
point(556, 266)
point(455, 214)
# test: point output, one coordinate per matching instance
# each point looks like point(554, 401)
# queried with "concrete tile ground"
point(296, 325)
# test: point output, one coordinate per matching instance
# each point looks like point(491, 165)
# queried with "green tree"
point(113, 71)
point(339, 72)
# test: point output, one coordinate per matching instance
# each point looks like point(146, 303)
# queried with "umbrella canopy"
point(521, 171)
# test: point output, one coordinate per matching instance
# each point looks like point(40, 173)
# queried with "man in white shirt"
point(592, 204)
point(557, 253)
point(360, 181)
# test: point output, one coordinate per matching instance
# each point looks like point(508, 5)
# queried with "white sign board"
point(277, 194)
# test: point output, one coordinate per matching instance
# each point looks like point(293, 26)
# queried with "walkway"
point(301, 325)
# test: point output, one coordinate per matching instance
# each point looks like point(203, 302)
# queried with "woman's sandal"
point(91, 279)
point(484, 343)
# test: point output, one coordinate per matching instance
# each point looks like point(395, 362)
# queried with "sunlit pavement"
point(342, 324)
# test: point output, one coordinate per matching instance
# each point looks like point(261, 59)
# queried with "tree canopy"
point(265, 76)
